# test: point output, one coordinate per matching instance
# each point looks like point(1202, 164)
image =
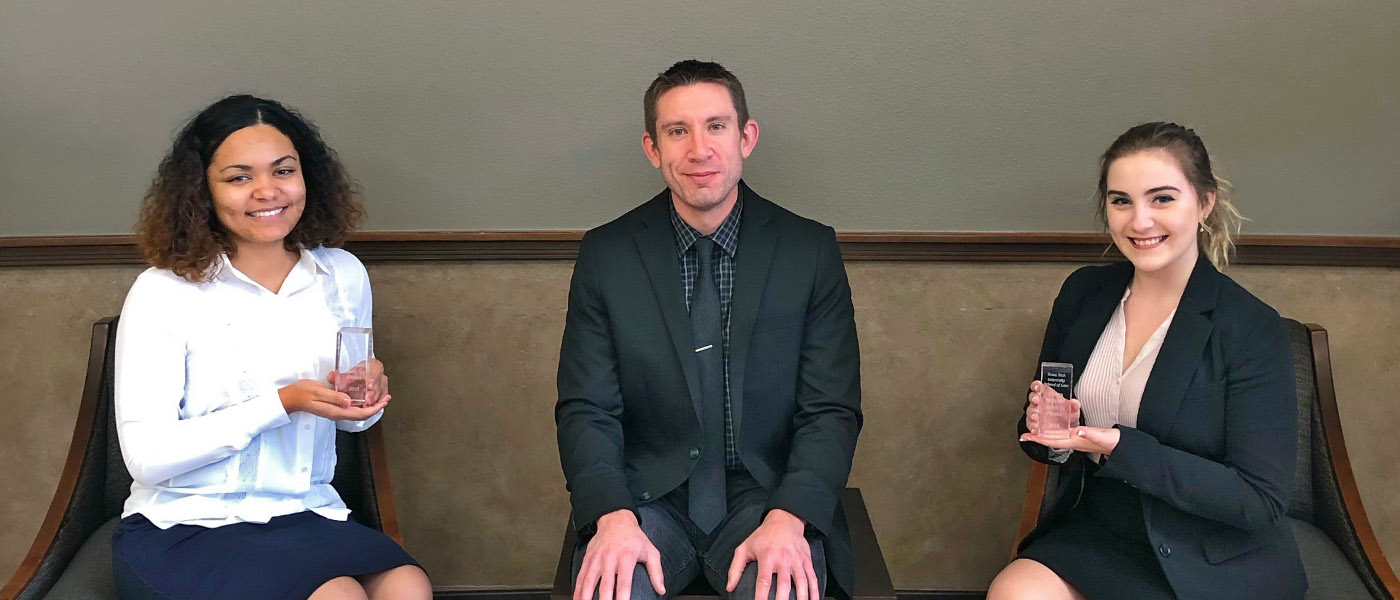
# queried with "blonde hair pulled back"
point(1217, 232)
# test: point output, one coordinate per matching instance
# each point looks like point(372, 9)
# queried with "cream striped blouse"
point(1108, 393)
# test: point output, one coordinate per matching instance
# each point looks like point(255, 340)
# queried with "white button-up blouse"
point(198, 366)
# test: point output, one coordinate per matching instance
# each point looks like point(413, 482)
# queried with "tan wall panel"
point(46, 317)
point(472, 349)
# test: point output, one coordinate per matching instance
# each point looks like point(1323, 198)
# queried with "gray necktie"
point(707, 497)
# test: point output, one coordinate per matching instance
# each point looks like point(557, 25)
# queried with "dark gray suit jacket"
point(627, 414)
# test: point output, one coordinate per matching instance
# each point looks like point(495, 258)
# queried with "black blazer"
point(1215, 450)
point(628, 414)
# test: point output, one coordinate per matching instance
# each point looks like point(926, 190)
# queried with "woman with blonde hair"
point(1179, 462)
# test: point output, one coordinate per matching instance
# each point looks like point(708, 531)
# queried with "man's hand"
point(612, 555)
point(780, 548)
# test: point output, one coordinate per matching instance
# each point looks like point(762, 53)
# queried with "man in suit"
point(709, 375)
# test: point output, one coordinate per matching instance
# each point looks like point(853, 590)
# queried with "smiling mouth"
point(263, 214)
point(705, 175)
point(1144, 243)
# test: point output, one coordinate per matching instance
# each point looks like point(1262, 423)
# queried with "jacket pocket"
point(1227, 545)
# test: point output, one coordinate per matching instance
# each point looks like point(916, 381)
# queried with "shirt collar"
point(727, 236)
point(302, 273)
point(315, 261)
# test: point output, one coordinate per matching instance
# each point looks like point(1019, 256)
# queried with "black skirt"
point(1101, 546)
point(287, 557)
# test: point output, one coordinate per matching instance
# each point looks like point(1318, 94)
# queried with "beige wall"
point(472, 348)
point(892, 115)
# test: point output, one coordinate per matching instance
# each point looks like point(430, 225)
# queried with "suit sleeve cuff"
point(1127, 459)
point(590, 506)
point(816, 509)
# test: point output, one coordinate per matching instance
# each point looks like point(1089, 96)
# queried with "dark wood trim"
point(72, 465)
point(1341, 462)
point(464, 245)
point(1030, 507)
point(376, 246)
point(383, 491)
point(940, 594)
point(540, 593)
point(69, 251)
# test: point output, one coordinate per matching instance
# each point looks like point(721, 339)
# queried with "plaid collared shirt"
point(727, 243)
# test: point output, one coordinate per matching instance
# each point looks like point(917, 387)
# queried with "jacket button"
point(645, 496)
point(694, 453)
point(1164, 550)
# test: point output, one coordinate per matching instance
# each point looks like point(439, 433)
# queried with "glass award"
point(1055, 413)
point(353, 348)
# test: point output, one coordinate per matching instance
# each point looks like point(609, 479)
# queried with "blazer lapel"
point(1180, 352)
point(656, 242)
point(756, 244)
point(1098, 308)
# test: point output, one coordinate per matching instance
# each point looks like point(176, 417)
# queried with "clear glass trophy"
point(353, 348)
point(1055, 413)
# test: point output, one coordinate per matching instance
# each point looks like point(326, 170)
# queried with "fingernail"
point(1079, 433)
point(1023, 438)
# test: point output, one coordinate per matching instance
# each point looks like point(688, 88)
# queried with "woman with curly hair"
point(225, 348)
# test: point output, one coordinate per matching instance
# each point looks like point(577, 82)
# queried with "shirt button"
point(694, 453)
point(303, 469)
point(645, 496)
point(1164, 550)
point(306, 427)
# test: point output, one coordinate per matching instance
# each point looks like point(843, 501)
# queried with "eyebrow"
point(678, 122)
point(248, 168)
point(1160, 188)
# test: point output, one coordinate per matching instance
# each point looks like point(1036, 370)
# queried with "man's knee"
point(748, 582)
point(641, 586)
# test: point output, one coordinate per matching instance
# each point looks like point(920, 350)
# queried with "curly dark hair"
point(178, 228)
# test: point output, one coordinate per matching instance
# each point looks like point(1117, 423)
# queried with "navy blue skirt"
point(287, 557)
point(1101, 547)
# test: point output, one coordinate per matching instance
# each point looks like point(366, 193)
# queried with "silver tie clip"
point(706, 347)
